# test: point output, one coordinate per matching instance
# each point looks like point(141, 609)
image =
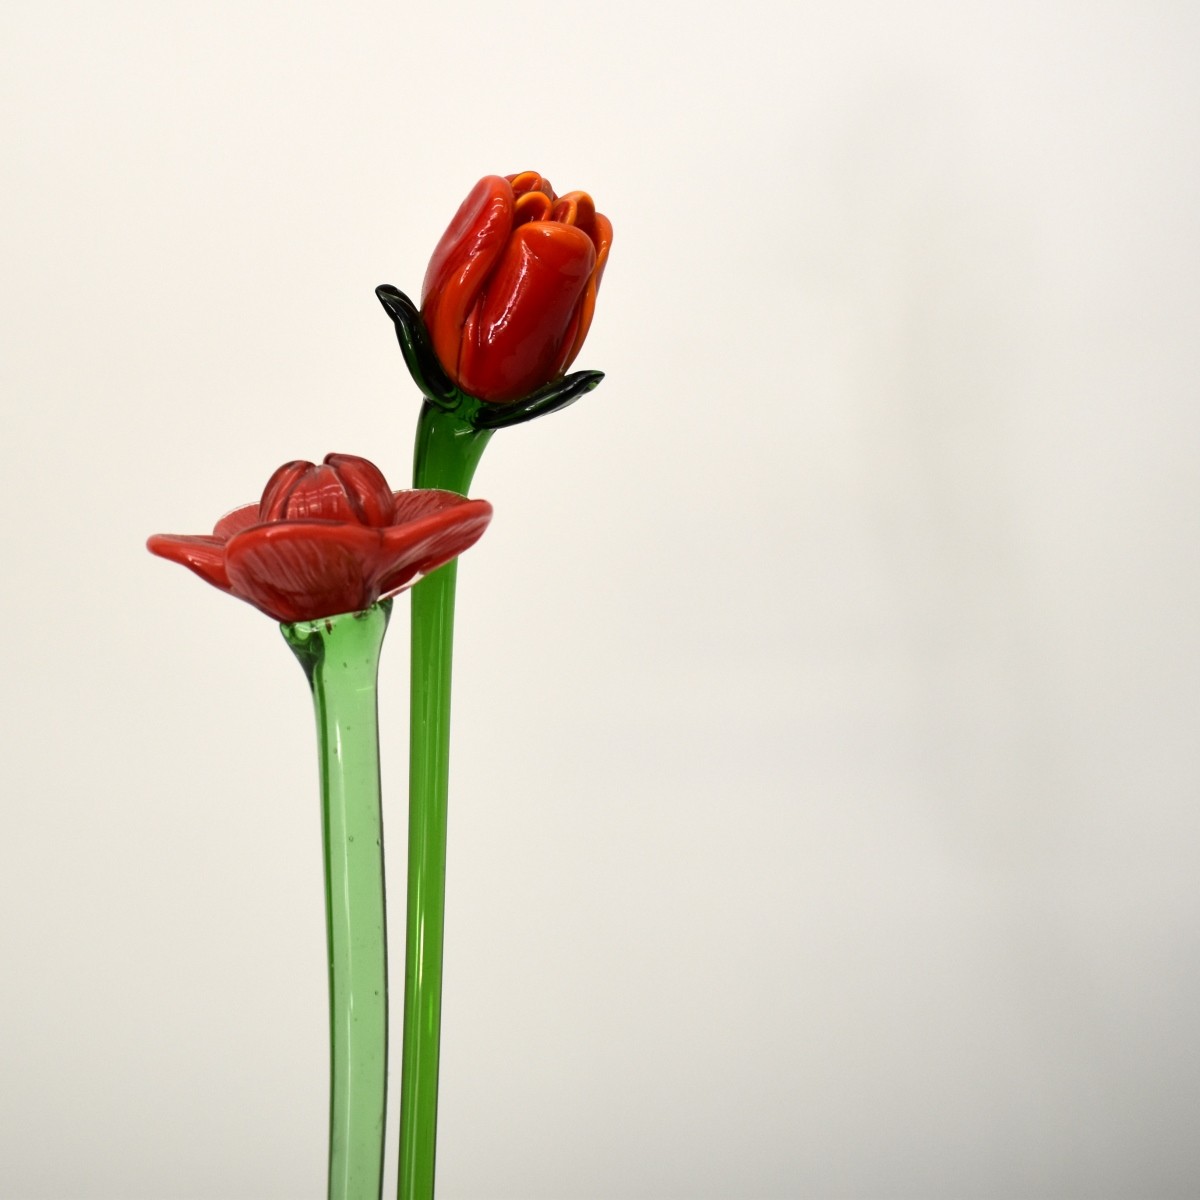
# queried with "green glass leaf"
point(545, 400)
point(419, 357)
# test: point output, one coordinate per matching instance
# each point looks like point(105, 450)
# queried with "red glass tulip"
point(328, 539)
point(511, 288)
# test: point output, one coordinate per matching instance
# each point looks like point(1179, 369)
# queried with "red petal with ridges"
point(300, 570)
point(515, 336)
point(416, 503)
point(365, 485)
point(204, 555)
point(421, 546)
point(273, 505)
point(235, 521)
point(462, 262)
point(320, 495)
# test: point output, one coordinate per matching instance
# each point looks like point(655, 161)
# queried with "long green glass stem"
point(447, 453)
point(340, 656)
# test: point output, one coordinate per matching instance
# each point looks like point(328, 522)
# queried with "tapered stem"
point(340, 656)
point(447, 452)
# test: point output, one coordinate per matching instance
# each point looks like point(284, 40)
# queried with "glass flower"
point(328, 539)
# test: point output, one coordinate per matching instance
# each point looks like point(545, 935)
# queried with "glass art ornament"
point(323, 552)
point(508, 299)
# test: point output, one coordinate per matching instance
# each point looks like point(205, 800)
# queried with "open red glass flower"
point(328, 539)
point(511, 288)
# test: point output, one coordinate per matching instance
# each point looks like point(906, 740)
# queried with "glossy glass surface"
point(448, 450)
point(340, 656)
point(511, 287)
point(328, 539)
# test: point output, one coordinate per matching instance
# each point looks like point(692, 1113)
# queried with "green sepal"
point(428, 374)
point(545, 400)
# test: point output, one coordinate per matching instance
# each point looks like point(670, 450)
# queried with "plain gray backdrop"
point(824, 811)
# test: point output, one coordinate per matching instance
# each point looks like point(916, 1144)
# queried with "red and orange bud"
point(511, 288)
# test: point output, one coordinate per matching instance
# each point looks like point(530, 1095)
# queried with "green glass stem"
point(340, 656)
point(447, 453)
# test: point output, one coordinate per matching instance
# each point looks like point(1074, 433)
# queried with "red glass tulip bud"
point(511, 288)
point(328, 539)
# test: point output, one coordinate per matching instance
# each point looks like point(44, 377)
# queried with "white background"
point(824, 817)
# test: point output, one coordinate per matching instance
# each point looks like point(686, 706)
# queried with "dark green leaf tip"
point(413, 337)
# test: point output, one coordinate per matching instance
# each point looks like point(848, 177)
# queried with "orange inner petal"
point(529, 181)
point(576, 208)
point(532, 206)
